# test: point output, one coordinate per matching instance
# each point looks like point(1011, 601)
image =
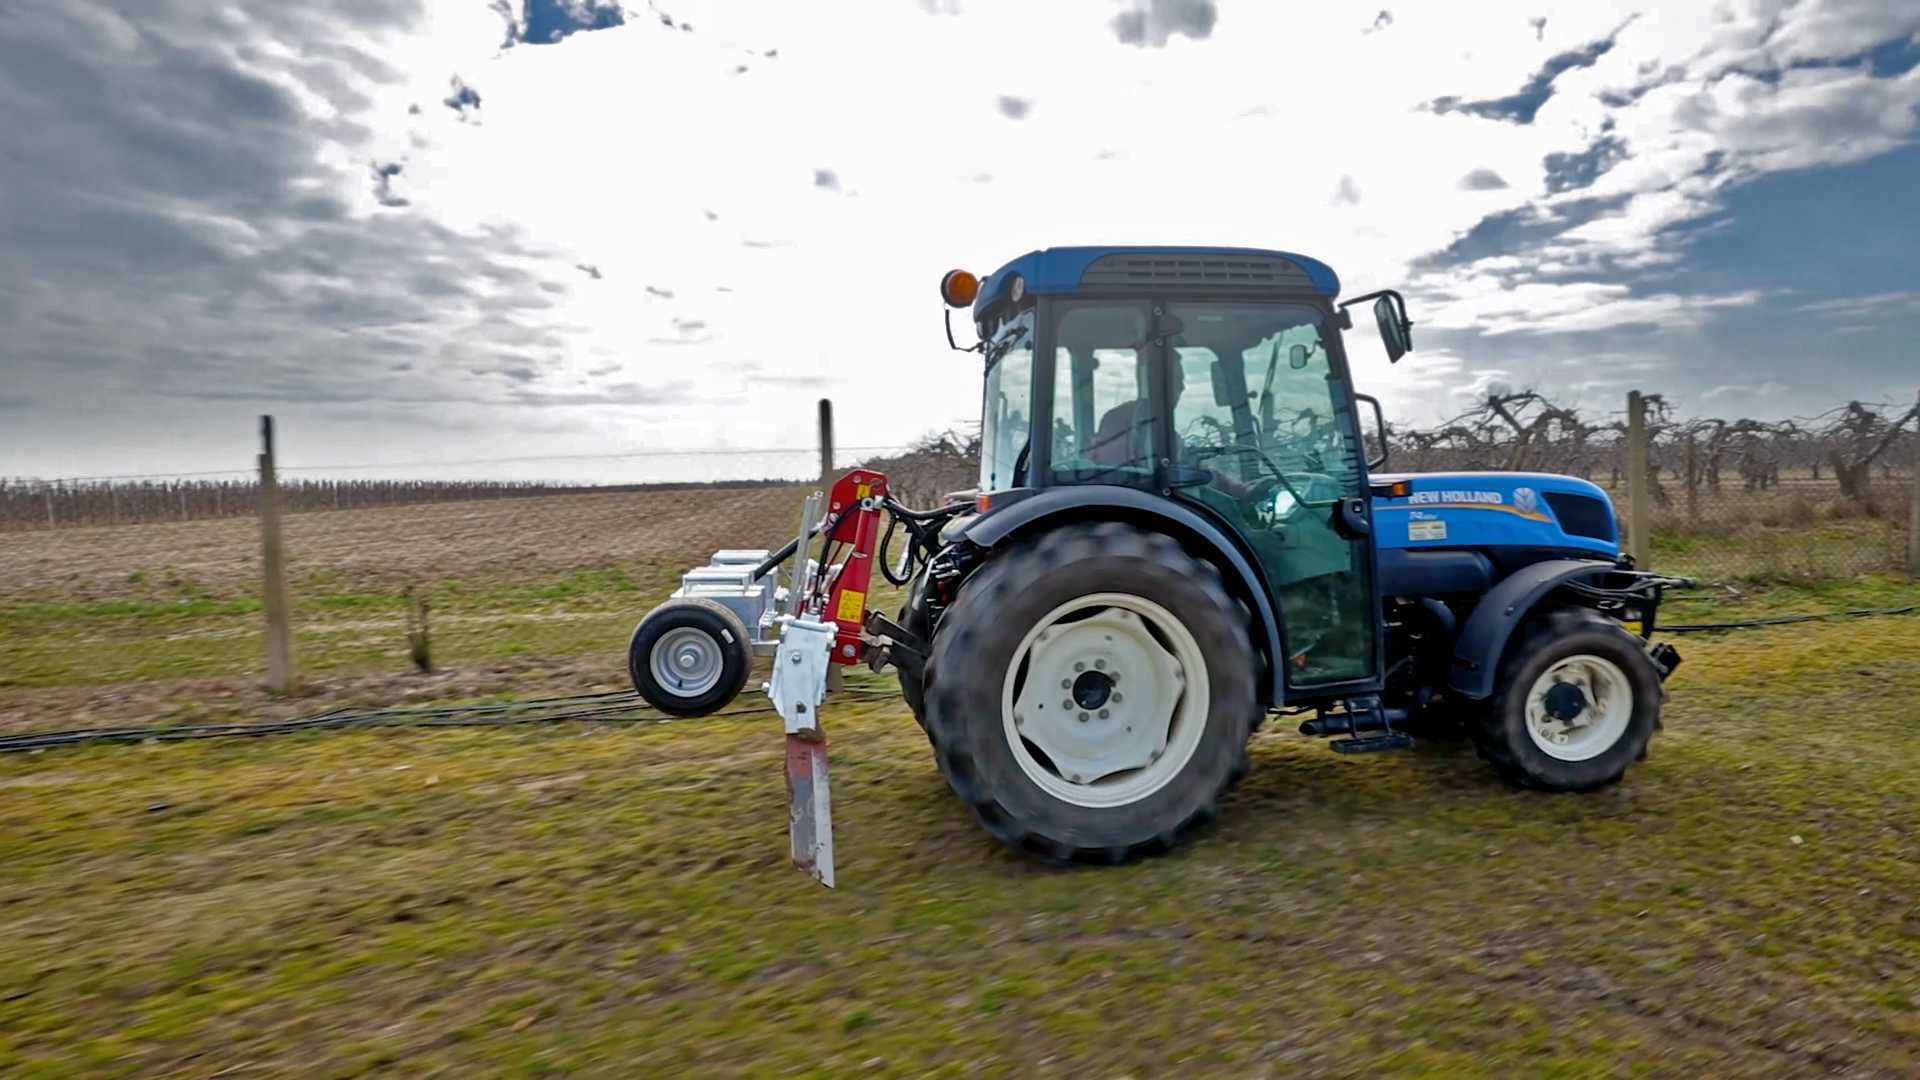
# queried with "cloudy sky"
point(461, 230)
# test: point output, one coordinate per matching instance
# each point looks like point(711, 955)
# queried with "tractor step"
point(1369, 744)
point(1361, 715)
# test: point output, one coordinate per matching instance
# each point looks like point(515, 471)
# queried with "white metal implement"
point(799, 682)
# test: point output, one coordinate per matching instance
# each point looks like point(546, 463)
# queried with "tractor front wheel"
point(1091, 692)
point(1578, 701)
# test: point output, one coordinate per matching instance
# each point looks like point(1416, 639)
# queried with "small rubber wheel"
point(1577, 702)
point(1091, 692)
point(689, 657)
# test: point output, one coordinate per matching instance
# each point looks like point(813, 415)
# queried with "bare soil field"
point(383, 550)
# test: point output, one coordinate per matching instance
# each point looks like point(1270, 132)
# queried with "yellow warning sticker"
point(861, 491)
point(852, 604)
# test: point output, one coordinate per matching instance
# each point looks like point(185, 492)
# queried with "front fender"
point(1092, 502)
point(1482, 640)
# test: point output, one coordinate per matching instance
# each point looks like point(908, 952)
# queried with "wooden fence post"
point(1693, 482)
point(281, 676)
point(836, 676)
point(1640, 534)
point(1913, 508)
point(49, 493)
point(826, 441)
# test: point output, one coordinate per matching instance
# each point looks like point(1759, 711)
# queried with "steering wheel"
point(1279, 475)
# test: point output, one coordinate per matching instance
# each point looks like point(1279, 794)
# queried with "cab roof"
point(1072, 269)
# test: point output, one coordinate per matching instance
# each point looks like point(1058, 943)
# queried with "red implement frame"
point(846, 568)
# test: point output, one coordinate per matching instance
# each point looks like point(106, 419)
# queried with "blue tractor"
point(1179, 531)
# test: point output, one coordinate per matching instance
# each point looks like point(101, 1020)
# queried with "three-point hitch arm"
point(823, 625)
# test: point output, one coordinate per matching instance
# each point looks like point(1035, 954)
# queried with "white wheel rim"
point(686, 662)
point(1571, 729)
point(1102, 751)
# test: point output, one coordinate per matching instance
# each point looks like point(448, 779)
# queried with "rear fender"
point(1052, 507)
point(1483, 638)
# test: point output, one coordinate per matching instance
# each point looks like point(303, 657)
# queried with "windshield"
point(1006, 415)
point(1254, 392)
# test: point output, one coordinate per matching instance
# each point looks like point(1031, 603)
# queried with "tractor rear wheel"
point(689, 657)
point(1091, 693)
point(1578, 700)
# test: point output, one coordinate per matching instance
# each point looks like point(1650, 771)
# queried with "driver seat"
point(1120, 436)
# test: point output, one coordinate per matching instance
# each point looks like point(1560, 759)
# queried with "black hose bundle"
point(923, 537)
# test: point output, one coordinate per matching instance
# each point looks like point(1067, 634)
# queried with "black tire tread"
point(731, 681)
point(1484, 725)
point(913, 690)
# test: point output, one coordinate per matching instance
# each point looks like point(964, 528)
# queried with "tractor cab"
point(1216, 378)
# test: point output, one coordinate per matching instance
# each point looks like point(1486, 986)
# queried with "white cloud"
point(1853, 307)
point(613, 144)
point(1730, 390)
point(647, 154)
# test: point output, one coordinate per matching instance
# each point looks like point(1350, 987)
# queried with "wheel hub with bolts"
point(686, 661)
point(1092, 689)
point(1097, 744)
point(1579, 707)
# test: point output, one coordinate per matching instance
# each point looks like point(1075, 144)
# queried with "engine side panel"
point(1495, 510)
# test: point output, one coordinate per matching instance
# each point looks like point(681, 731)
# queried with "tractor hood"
point(1494, 509)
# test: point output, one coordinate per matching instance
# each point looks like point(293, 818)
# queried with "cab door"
point(1262, 431)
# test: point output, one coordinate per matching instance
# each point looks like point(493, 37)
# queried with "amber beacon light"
point(959, 288)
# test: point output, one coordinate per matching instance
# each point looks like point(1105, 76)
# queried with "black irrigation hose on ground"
point(623, 706)
point(1782, 620)
point(619, 707)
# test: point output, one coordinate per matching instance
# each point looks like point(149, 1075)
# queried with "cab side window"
point(1103, 428)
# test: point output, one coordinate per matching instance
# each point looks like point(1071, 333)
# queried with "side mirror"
point(1395, 329)
point(1297, 357)
point(1380, 425)
point(1390, 314)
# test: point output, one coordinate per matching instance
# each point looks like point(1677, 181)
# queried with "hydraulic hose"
point(923, 532)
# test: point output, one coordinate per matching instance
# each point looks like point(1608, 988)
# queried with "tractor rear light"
point(959, 288)
point(983, 502)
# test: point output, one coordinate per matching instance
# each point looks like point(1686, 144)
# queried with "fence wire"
point(125, 500)
point(1817, 497)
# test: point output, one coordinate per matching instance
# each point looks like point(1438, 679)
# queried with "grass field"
point(615, 900)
